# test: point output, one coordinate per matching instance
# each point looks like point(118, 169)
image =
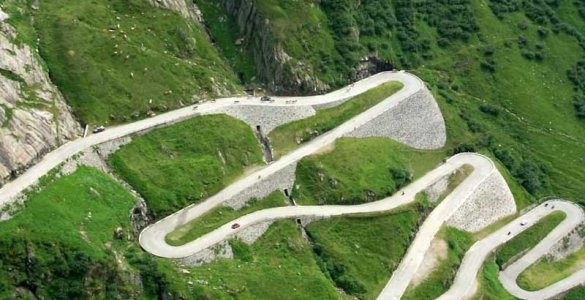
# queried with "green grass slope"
point(441, 278)
point(359, 253)
point(280, 265)
point(508, 75)
point(360, 170)
point(61, 245)
point(120, 61)
point(186, 162)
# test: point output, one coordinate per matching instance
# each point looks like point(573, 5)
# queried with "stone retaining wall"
point(283, 179)
point(267, 117)
point(416, 122)
point(491, 201)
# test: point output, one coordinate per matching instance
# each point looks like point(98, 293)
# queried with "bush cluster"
point(55, 271)
point(577, 76)
point(338, 272)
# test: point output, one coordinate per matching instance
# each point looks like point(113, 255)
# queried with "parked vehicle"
point(99, 129)
point(235, 226)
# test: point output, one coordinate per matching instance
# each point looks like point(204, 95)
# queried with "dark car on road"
point(235, 226)
point(99, 129)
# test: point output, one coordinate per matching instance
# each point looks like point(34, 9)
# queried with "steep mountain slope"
point(34, 117)
point(509, 73)
point(112, 61)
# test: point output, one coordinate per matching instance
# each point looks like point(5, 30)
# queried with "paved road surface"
point(465, 283)
point(152, 238)
point(11, 190)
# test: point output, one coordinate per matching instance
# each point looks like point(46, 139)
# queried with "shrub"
point(488, 109)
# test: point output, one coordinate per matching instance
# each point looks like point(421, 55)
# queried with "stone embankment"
point(490, 201)
point(34, 117)
point(266, 116)
point(416, 122)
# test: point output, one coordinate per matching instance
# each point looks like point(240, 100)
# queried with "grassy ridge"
point(359, 253)
point(62, 245)
point(117, 61)
point(441, 278)
point(528, 238)
point(490, 286)
point(220, 216)
point(285, 138)
point(360, 170)
point(279, 265)
point(186, 162)
point(532, 279)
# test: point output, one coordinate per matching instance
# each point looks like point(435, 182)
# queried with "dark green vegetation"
point(225, 33)
point(490, 287)
point(360, 170)
point(508, 74)
point(286, 137)
point(280, 265)
point(65, 245)
point(528, 238)
point(575, 294)
point(181, 164)
point(71, 241)
point(441, 278)
point(359, 253)
point(220, 216)
point(118, 61)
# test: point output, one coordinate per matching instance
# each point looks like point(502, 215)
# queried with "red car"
point(235, 226)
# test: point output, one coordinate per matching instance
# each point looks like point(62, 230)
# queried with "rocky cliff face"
point(282, 73)
point(185, 8)
point(34, 118)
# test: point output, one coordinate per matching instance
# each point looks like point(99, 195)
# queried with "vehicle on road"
point(265, 99)
point(235, 226)
point(523, 222)
point(99, 129)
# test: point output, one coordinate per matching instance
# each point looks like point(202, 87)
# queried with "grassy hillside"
point(359, 253)
point(360, 170)
point(440, 279)
point(280, 265)
point(181, 164)
point(118, 61)
point(62, 245)
point(508, 74)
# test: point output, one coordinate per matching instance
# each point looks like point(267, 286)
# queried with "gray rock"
point(27, 133)
point(416, 122)
point(490, 201)
point(267, 117)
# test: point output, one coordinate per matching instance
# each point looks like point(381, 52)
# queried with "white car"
point(523, 222)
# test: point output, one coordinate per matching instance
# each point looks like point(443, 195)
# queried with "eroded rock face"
point(34, 117)
point(185, 8)
point(282, 73)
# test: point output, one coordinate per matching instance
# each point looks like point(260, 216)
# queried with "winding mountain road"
point(152, 238)
point(11, 190)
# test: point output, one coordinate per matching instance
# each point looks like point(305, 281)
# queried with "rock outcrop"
point(282, 73)
point(34, 117)
point(185, 8)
